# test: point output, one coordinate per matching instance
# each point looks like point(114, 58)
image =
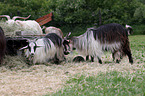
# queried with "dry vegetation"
point(20, 79)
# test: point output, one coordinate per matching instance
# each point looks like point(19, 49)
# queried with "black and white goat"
point(59, 33)
point(110, 37)
point(44, 49)
point(129, 29)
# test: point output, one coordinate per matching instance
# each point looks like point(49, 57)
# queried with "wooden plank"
point(24, 37)
point(45, 19)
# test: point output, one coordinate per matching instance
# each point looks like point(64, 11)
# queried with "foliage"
point(138, 29)
point(140, 13)
point(72, 12)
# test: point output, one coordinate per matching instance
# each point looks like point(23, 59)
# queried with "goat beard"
point(30, 59)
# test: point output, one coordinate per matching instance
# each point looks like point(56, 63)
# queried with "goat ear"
point(23, 48)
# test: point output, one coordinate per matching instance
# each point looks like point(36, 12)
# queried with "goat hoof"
point(131, 61)
point(66, 53)
point(100, 61)
point(117, 61)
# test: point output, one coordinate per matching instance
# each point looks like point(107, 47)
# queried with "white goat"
point(29, 24)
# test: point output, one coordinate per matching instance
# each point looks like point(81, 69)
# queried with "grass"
point(111, 83)
point(138, 46)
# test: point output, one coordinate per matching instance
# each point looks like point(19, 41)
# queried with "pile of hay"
point(14, 62)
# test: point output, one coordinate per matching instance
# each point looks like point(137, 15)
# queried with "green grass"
point(137, 44)
point(110, 84)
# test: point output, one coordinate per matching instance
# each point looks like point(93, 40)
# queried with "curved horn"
point(67, 36)
point(44, 27)
point(7, 16)
point(23, 48)
point(128, 26)
point(15, 17)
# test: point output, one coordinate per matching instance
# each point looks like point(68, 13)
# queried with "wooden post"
point(100, 18)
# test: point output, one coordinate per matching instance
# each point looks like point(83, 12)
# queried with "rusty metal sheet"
point(45, 19)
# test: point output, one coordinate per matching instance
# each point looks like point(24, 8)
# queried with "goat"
point(2, 45)
point(29, 24)
point(110, 37)
point(129, 29)
point(60, 34)
point(45, 49)
point(53, 30)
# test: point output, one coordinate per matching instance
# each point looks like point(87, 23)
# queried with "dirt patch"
point(19, 79)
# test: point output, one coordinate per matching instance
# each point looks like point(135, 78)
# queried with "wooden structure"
point(45, 19)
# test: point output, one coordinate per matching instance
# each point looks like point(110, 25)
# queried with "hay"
point(14, 62)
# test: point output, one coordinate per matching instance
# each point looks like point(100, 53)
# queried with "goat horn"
point(67, 35)
point(23, 48)
point(7, 16)
point(127, 26)
point(15, 17)
point(43, 27)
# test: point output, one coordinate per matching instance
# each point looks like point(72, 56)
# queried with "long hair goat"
point(45, 49)
point(129, 29)
point(2, 45)
point(60, 34)
point(29, 25)
point(110, 37)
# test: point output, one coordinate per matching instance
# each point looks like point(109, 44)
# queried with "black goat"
point(110, 37)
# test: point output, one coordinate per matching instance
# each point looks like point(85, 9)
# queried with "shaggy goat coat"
point(110, 37)
point(49, 47)
point(2, 45)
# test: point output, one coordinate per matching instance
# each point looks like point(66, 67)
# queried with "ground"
point(19, 79)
